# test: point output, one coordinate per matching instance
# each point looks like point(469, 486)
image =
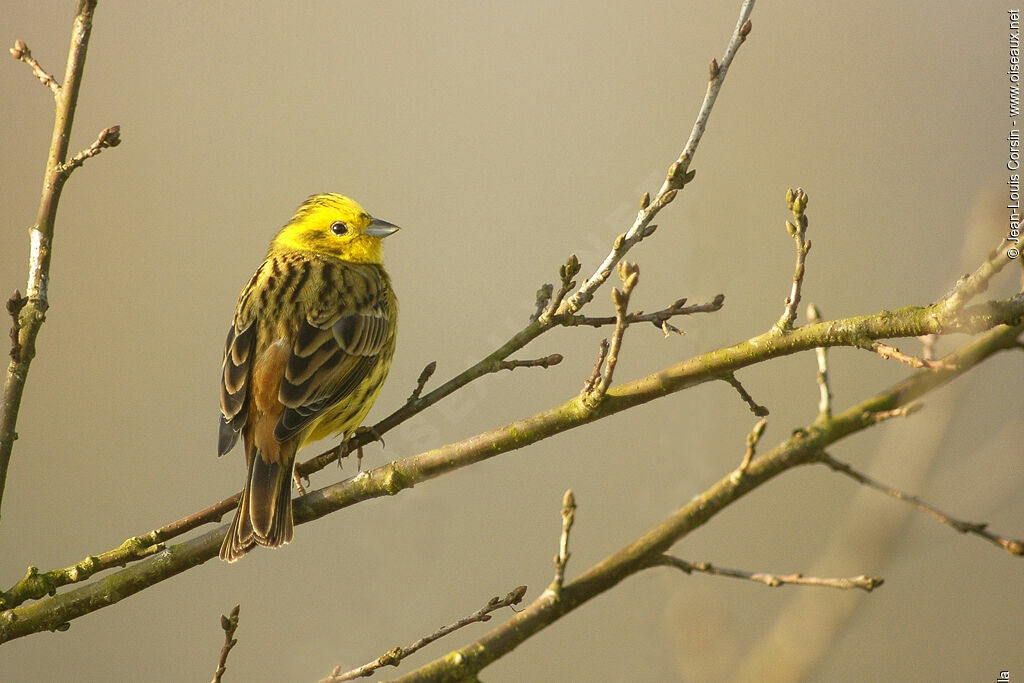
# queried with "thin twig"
point(756, 408)
point(824, 389)
point(797, 200)
point(658, 318)
point(903, 411)
point(566, 273)
point(395, 656)
point(1012, 546)
point(928, 345)
point(108, 137)
point(752, 439)
point(21, 52)
point(545, 362)
point(591, 384)
point(41, 234)
point(866, 583)
point(887, 352)
point(677, 177)
point(630, 275)
point(229, 623)
point(543, 297)
point(421, 381)
point(562, 558)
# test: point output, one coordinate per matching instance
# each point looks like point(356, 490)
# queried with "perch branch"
point(866, 583)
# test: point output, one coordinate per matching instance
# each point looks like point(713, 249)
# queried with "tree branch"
point(395, 656)
point(230, 624)
point(1010, 545)
point(33, 312)
point(803, 447)
point(865, 583)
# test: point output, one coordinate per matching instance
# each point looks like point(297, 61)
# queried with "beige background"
point(503, 137)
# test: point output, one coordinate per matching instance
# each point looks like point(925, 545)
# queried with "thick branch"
point(390, 479)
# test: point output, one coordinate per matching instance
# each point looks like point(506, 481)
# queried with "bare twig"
point(678, 176)
point(545, 362)
point(421, 381)
point(824, 390)
point(1010, 545)
point(797, 200)
point(562, 558)
point(21, 52)
point(630, 275)
point(14, 306)
point(33, 313)
point(887, 352)
point(928, 345)
point(396, 655)
point(229, 623)
point(902, 411)
point(566, 273)
point(752, 440)
point(755, 407)
point(595, 377)
point(866, 583)
point(108, 137)
point(658, 318)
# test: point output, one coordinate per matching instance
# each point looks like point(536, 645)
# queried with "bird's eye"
point(339, 228)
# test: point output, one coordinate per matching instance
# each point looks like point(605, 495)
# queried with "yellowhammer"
point(306, 355)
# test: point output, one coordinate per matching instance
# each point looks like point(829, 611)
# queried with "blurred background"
point(503, 137)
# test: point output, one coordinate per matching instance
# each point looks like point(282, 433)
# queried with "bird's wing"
point(239, 350)
point(337, 345)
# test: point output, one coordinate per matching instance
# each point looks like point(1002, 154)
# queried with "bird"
point(307, 352)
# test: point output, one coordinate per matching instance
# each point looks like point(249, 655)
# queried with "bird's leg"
point(297, 478)
point(344, 448)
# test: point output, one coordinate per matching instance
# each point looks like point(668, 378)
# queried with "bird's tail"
point(264, 514)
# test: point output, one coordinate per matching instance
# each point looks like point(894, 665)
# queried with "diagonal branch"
point(33, 312)
point(678, 175)
point(1010, 545)
point(865, 583)
point(21, 52)
point(804, 446)
point(395, 656)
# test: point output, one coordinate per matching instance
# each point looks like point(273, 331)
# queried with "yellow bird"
point(306, 355)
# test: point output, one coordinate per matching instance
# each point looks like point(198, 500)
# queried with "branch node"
point(108, 137)
point(14, 306)
point(421, 381)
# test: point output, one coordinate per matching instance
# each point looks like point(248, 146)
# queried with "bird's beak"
point(379, 228)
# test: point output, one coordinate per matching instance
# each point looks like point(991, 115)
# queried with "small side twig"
point(543, 297)
point(595, 376)
point(566, 273)
point(229, 623)
point(928, 345)
point(14, 306)
point(658, 318)
point(903, 411)
point(562, 558)
point(797, 200)
point(630, 275)
point(21, 52)
point(545, 362)
point(395, 656)
point(824, 389)
point(1012, 546)
point(866, 583)
point(752, 439)
point(887, 352)
point(421, 381)
point(108, 137)
point(756, 408)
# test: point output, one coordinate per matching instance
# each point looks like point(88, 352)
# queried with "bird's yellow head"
point(334, 225)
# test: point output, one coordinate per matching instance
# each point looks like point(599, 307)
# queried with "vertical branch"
point(32, 314)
